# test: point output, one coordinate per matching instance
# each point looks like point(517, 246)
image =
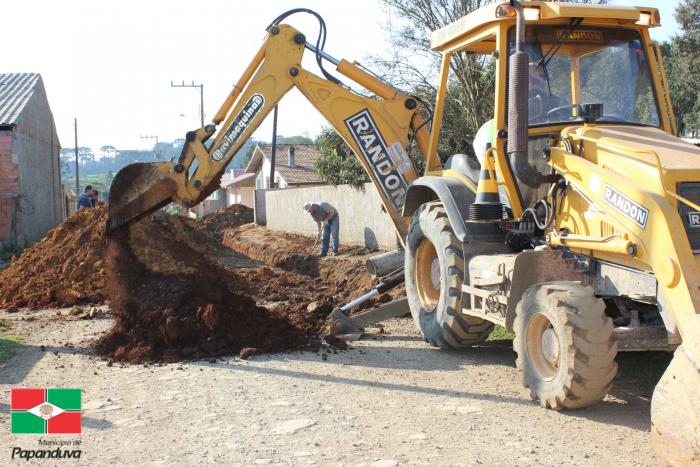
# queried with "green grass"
point(7, 342)
point(500, 333)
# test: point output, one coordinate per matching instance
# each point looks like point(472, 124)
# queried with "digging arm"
point(376, 129)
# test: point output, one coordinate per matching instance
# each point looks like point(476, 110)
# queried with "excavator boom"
point(377, 129)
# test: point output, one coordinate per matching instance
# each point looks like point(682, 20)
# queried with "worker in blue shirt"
point(85, 200)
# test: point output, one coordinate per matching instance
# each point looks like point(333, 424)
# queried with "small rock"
point(280, 403)
point(43, 348)
point(467, 409)
point(75, 311)
point(336, 342)
point(292, 426)
point(247, 352)
point(12, 309)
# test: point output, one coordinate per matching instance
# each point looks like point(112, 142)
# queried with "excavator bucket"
point(675, 412)
point(137, 190)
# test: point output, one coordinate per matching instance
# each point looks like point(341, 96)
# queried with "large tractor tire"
point(565, 345)
point(434, 268)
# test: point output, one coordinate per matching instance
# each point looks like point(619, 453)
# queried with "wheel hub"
point(435, 274)
point(427, 275)
point(550, 346)
point(543, 349)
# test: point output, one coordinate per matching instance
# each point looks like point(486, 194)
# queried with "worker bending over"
point(325, 216)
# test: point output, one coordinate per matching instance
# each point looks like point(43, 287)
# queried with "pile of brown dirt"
point(223, 219)
point(172, 302)
point(63, 269)
point(67, 267)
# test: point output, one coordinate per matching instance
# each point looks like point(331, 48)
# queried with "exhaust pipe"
point(518, 118)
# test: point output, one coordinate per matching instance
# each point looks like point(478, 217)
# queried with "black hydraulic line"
point(320, 41)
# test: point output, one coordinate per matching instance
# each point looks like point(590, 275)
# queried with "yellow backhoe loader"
point(579, 228)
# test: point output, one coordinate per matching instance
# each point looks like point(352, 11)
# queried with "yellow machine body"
point(620, 201)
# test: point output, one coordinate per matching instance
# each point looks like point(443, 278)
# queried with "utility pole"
point(274, 148)
point(155, 148)
point(201, 96)
point(77, 166)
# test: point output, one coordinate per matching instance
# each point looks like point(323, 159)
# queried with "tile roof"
point(303, 171)
point(15, 91)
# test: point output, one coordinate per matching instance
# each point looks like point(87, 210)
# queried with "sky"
point(110, 63)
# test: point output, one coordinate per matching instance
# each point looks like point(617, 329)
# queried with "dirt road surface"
point(389, 400)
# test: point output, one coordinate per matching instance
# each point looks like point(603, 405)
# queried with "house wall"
point(217, 200)
point(37, 149)
point(241, 195)
point(362, 219)
point(9, 187)
point(262, 176)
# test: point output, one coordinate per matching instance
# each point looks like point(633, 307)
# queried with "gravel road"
point(389, 400)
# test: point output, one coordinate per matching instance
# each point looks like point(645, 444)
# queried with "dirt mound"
point(63, 269)
point(171, 302)
point(67, 267)
point(223, 219)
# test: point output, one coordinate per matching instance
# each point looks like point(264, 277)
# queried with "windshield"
point(572, 65)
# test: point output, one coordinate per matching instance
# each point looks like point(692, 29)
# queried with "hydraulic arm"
point(376, 128)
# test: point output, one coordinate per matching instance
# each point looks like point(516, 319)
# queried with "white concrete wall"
point(362, 220)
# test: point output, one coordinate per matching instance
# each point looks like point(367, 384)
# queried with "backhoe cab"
point(578, 227)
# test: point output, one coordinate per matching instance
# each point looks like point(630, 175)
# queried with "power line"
point(201, 96)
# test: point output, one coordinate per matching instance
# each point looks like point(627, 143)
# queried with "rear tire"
point(565, 345)
point(434, 268)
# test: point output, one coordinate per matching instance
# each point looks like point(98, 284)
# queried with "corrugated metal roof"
point(15, 91)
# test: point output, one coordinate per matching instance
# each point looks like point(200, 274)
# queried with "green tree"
point(298, 139)
point(337, 162)
point(682, 59)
